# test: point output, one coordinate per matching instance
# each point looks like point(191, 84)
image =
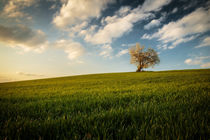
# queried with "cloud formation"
point(123, 21)
point(75, 11)
point(205, 65)
point(154, 5)
point(77, 28)
point(198, 61)
point(182, 40)
point(76, 15)
point(193, 61)
point(174, 10)
point(204, 43)
point(23, 37)
point(30, 74)
point(106, 51)
point(184, 29)
point(154, 23)
point(73, 49)
point(128, 45)
point(115, 28)
point(122, 52)
point(14, 8)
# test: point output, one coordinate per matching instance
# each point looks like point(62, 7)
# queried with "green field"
point(145, 105)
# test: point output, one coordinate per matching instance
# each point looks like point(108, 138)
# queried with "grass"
point(147, 105)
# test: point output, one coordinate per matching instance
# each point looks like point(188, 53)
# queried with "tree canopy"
point(143, 59)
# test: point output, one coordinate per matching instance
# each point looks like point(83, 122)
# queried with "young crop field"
point(144, 105)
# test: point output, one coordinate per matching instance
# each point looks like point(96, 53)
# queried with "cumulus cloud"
point(182, 40)
point(146, 36)
point(29, 74)
point(77, 29)
point(14, 8)
point(54, 6)
point(73, 49)
point(23, 37)
point(123, 22)
point(184, 29)
point(128, 45)
point(115, 28)
point(76, 11)
point(106, 51)
point(174, 10)
point(123, 10)
point(154, 22)
point(198, 61)
point(193, 62)
point(204, 43)
point(164, 46)
point(192, 3)
point(154, 5)
point(90, 30)
point(206, 65)
point(122, 52)
point(76, 15)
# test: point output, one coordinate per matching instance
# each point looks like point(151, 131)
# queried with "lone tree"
point(143, 59)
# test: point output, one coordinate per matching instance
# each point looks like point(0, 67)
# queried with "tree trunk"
point(139, 69)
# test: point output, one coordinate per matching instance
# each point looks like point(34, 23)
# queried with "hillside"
point(146, 105)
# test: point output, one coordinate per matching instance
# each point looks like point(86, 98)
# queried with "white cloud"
point(71, 15)
point(154, 5)
point(122, 52)
point(192, 3)
point(30, 74)
point(90, 30)
point(123, 10)
point(128, 45)
point(164, 46)
point(53, 7)
point(197, 61)
point(106, 51)
point(204, 43)
point(146, 36)
point(112, 30)
point(193, 62)
point(14, 8)
point(194, 23)
point(23, 37)
point(206, 65)
point(174, 10)
point(154, 23)
point(75, 11)
point(182, 40)
point(110, 19)
point(75, 62)
point(77, 29)
point(73, 49)
point(123, 21)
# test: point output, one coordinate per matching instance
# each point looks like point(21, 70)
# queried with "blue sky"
point(52, 38)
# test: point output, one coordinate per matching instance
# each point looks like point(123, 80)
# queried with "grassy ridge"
point(147, 105)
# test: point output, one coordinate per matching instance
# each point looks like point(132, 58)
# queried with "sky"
point(54, 38)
